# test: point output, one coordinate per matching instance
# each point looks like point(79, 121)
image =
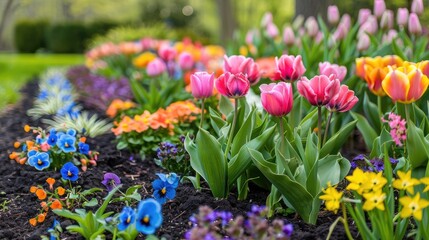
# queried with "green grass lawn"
point(17, 69)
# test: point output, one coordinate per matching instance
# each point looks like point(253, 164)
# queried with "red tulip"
point(277, 99)
point(232, 85)
point(202, 84)
point(319, 90)
point(343, 101)
point(289, 68)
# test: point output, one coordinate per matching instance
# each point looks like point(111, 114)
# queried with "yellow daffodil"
point(143, 59)
point(413, 206)
point(374, 200)
point(332, 198)
point(425, 181)
point(375, 182)
point(405, 182)
point(405, 84)
point(357, 181)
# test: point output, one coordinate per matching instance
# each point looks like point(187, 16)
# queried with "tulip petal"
point(396, 85)
point(418, 85)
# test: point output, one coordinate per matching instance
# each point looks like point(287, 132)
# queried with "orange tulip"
point(374, 70)
point(405, 84)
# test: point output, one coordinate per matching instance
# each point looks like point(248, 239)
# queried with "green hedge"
point(66, 38)
point(30, 35)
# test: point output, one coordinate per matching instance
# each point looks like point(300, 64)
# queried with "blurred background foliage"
point(80, 24)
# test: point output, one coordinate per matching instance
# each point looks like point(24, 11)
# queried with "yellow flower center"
point(146, 219)
point(66, 144)
point(128, 220)
point(39, 162)
point(163, 190)
point(69, 173)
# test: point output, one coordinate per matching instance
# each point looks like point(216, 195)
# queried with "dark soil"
point(15, 182)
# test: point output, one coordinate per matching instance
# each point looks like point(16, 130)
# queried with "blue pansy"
point(71, 132)
point(171, 178)
point(163, 191)
point(40, 140)
point(70, 172)
point(52, 138)
point(40, 160)
point(126, 218)
point(66, 143)
point(83, 148)
point(53, 230)
point(149, 216)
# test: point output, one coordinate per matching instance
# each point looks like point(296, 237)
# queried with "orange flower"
point(374, 70)
point(44, 205)
point(405, 84)
point(51, 182)
point(33, 221)
point(82, 139)
point(16, 144)
point(143, 59)
point(27, 128)
point(30, 144)
point(60, 191)
point(56, 204)
point(22, 161)
point(267, 66)
point(41, 194)
point(33, 189)
point(41, 217)
point(13, 155)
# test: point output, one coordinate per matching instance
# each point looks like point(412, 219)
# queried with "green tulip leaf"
point(368, 132)
point(334, 144)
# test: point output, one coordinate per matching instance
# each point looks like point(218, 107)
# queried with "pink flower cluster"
point(398, 130)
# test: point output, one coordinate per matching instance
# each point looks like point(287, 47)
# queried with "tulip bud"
point(370, 26)
point(379, 8)
point(364, 13)
point(288, 36)
point(311, 27)
point(156, 67)
point(363, 42)
point(267, 19)
point(297, 23)
point(202, 84)
point(346, 21)
point(333, 14)
point(414, 24)
point(186, 61)
point(387, 20)
point(402, 17)
point(389, 36)
point(417, 7)
point(232, 85)
point(277, 99)
point(288, 68)
point(251, 36)
point(272, 30)
point(340, 32)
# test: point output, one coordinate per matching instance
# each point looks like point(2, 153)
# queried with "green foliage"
point(30, 35)
point(66, 37)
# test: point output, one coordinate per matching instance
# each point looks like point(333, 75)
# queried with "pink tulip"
point(311, 26)
point(370, 26)
point(343, 101)
point(402, 17)
point(186, 61)
point(266, 19)
point(379, 8)
point(288, 68)
point(202, 84)
point(414, 24)
point(240, 64)
point(288, 36)
point(363, 42)
point(232, 85)
point(277, 99)
point(346, 20)
point(340, 32)
point(417, 7)
point(390, 36)
point(327, 68)
point(333, 14)
point(156, 67)
point(167, 53)
point(251, 36)
point(386, 21)
point(253, 73)
point(272, 30)
point(364, 13)
point(319, 90)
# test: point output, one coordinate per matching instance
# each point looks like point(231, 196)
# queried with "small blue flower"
point(163, 191)
point(32, 153)
point(24, 147)
point(126, 218)
point(53, 230)
point(40, 140)
point(83, 148)
point(39, 160)
point(71, 132)
point(70, 172)
point(66, 143)
point(52, 138)
point(149, 216)
point(171, 178)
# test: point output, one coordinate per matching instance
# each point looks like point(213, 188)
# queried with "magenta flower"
point(232, 85)
point(111, 180)
point(202, 84)
point(240, 64)
point(186, 61)
point(398, 130)
point(327, 68)
point(343, 101)
point(167, 53)
point(277, 99)
point(156, 67)
point(319, 90)
point(288, 68)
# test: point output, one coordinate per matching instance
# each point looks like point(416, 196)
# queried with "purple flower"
point(111, 180)
point(288, 229)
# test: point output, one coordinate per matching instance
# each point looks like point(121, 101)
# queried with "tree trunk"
point(309, 8)
point(7, 13)
point(228, 22)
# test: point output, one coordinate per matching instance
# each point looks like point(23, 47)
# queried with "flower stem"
point(281, 133)
point(319, 127)
point(202, 112)
point(346, 224)
point(327, 127)
point(380, 112)
point(228, 144)
point(197, 175)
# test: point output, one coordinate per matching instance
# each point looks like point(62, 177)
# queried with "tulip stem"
point(281, 133)
point(319, 127)
point(197, 176)
point(232, 129)
point(327, 127)
point(202, 112)
point(380, 112)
